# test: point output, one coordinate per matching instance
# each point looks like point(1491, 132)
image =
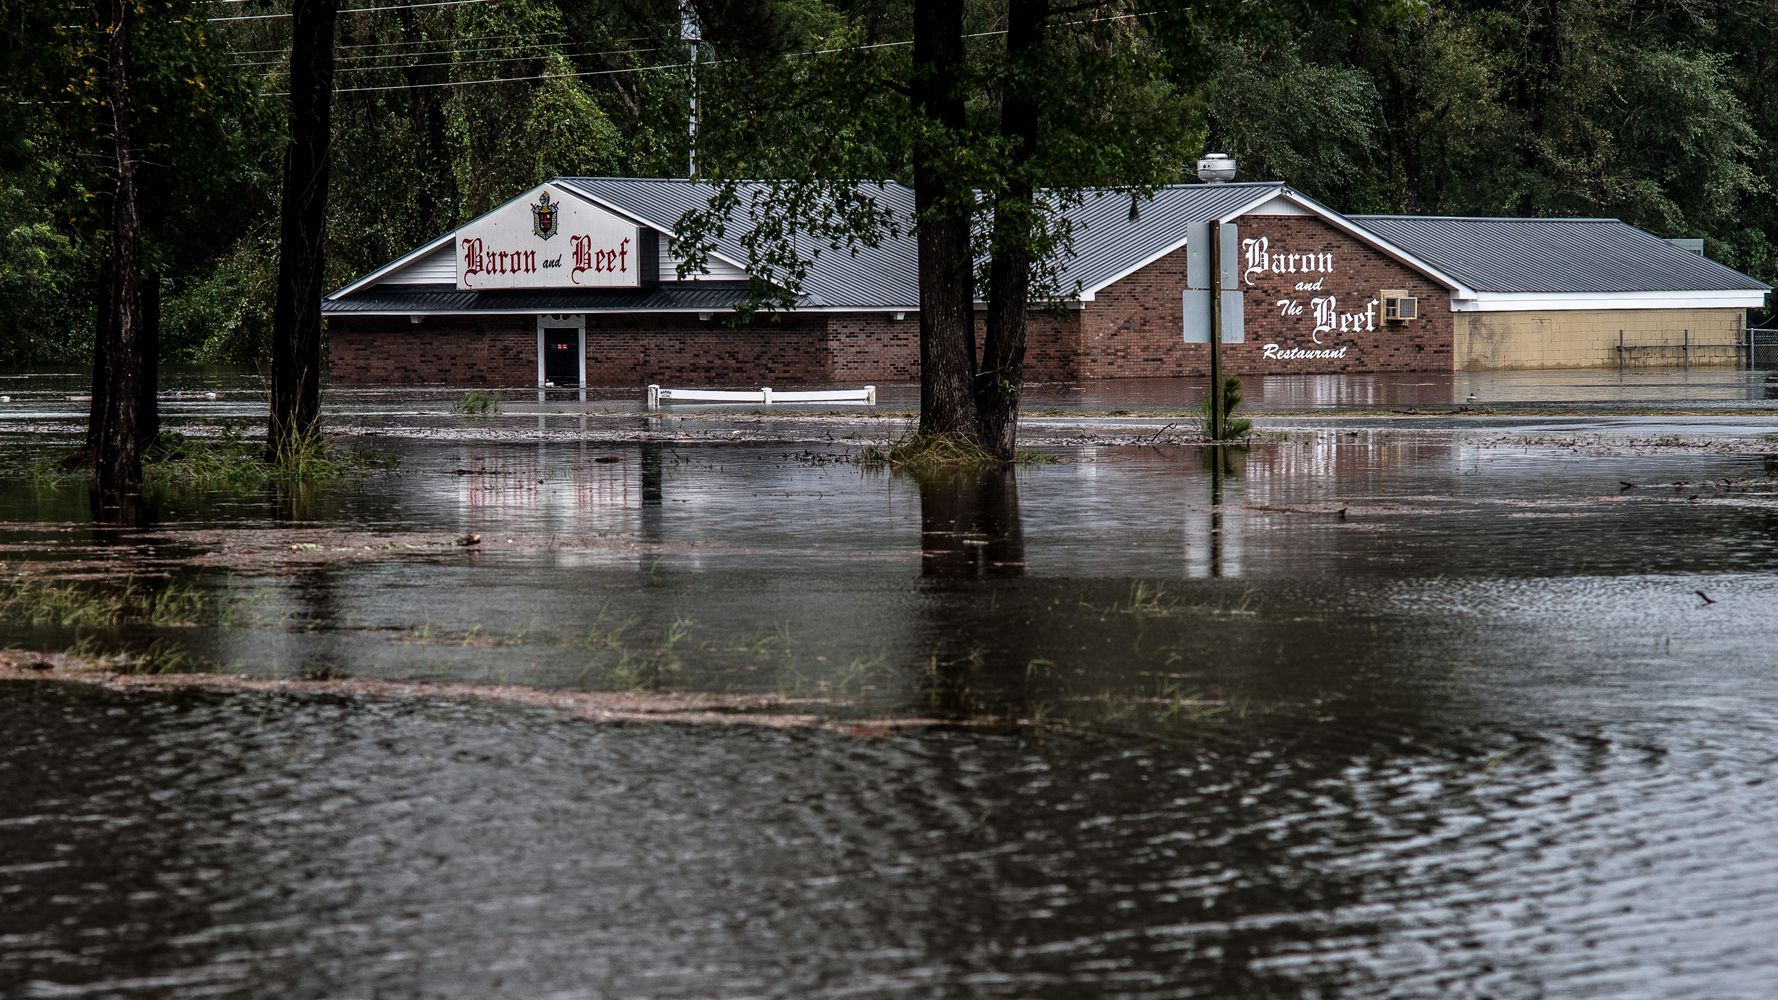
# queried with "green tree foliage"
point(200, 134)
point(1613, 108)
point(1282, 116)
point(1660, 114)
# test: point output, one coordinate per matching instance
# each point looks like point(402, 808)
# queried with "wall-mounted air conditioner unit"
point(1399, 306)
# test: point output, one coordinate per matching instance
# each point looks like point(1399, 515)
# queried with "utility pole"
point(690, 34)
point(1217, 421)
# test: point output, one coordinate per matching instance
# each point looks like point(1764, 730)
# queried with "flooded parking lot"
point(1365, 709)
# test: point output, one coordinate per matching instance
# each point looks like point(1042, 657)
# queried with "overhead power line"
point(498, 79)
point(553, 48)
point(427, 42)
point(683, 65)
point(352, 10)
point(401, 52)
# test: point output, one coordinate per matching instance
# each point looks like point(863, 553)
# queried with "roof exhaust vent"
point(1216, 168)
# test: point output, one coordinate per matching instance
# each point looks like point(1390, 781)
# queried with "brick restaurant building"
point(573, 283)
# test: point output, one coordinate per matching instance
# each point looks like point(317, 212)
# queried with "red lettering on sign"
point(583, 257)
point(478, 259)
point(614, 260)
point(472, 259)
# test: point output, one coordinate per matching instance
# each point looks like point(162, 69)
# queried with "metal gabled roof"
point(884, 276)
point(1554, 255)
point(428, 299)
point(1109, 243)
point(1489, 255)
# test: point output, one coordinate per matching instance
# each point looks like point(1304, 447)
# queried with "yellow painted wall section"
point(1585, 338)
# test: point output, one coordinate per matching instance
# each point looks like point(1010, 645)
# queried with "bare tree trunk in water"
point(116, 420)
point(296, 325)
point(943, 202)
point(1002, 376)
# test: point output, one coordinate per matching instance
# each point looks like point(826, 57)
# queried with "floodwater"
point(232, 393)
point(1368, 711)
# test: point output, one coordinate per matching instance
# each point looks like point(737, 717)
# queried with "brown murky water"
point(1359, 714)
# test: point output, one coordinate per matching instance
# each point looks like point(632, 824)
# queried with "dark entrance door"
point(561, 357)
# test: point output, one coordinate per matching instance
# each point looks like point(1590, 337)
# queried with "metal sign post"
point(1216, 397)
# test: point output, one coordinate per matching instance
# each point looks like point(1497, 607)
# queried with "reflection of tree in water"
point(653, 490)
point(969, 524)
point(970, 531)
point(317, 655)
point(124, 510)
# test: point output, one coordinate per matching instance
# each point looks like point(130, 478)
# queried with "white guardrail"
point(767, 396)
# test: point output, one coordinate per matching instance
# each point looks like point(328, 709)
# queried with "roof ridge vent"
point(1216, 168)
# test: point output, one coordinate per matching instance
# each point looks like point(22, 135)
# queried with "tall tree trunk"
point(296, 326)
point(118, 398)
point(1002, 376)
point(943, 204)
point(148, 419)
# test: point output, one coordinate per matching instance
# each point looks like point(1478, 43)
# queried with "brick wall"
point(1135, 327)
point(874, 347)
point(1053, 348)
point(501, 351)
point(687, 351)
point(490, 351)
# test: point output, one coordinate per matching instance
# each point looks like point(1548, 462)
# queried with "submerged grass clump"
point(230, 459)
point(43, 472)
point(478, 403)
point(50, 602)
point(921, 452)
point(233, 460)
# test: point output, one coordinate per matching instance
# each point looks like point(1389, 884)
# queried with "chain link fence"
point(1762, 347)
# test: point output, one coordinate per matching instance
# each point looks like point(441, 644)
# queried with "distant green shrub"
point(477, 403)
point(1233, 427)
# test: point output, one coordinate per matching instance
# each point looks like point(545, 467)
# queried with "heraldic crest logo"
point(543, 216)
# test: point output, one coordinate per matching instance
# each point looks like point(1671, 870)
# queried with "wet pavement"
point(1368, 709)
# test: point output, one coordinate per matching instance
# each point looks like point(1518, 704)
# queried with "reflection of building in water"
point(1310, 392)
point(1269, 496)
point(1350, 465)
point(1306, 391)
point(592, 490)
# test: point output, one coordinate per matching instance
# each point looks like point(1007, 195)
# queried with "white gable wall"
point(1279, 206)
point(714, 269)
point(436, 268)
